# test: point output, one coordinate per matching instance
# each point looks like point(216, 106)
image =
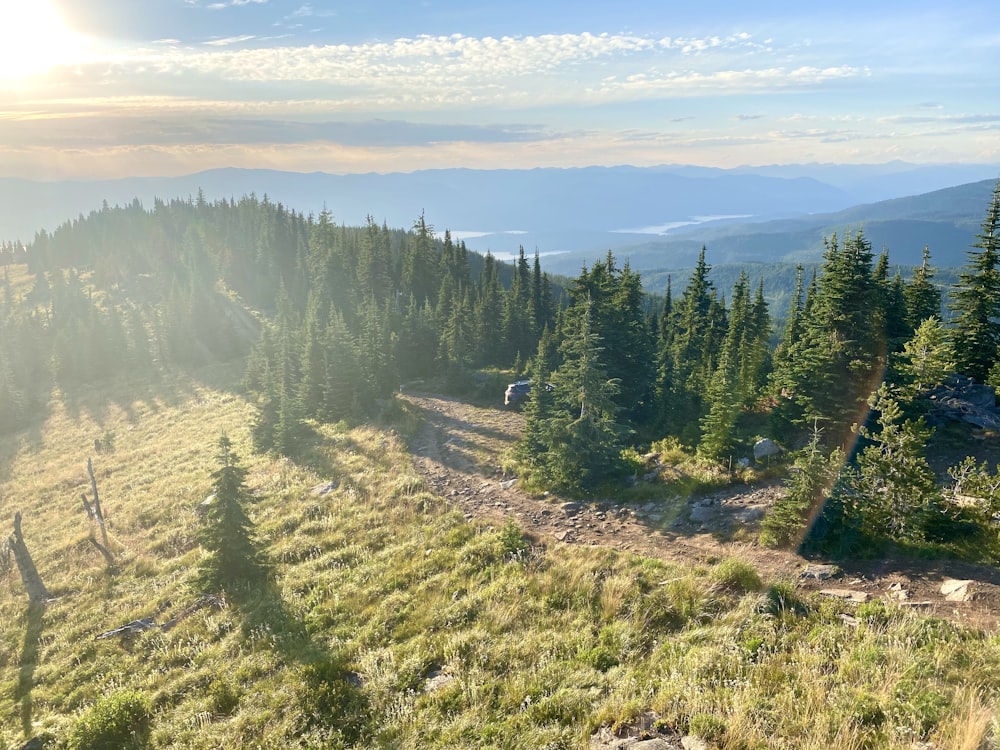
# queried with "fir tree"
point(232, 556)
point(976, 300)
point(927, 358)
point(582, 440)
point(897, 490)
point(808, 484)
point(922, 298)
point(836, 363)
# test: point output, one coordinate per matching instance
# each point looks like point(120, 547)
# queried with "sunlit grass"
point(390, 612)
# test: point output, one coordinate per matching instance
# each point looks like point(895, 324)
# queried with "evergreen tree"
point(837, 362)
point(582, 440)
point(531, 448)
point(808, 484)
point(898, 494)
point(519, 335)
point(488, 313)
point(922, 298)
point(420, 276)
point(927, 358)
point(227, 534)
point(696, 322)
point(344, 392)
point(976, 300)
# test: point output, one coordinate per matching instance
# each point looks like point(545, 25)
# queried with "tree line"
point(332, 319)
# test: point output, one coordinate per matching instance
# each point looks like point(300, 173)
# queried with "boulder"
point(764, 448)
point(955, 590)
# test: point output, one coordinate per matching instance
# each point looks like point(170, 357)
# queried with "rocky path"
point(459, 452)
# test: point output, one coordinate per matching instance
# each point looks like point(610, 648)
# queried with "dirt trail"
point(459, 450)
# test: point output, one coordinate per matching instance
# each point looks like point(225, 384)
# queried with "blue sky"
point(106, 88)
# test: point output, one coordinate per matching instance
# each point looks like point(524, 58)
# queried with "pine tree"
point(897, 491)
point(976, 300)
point(922, 298)
point(808, 484)
point(227, 535)
point(582, 440)
point(837, 362)
point(927, 358)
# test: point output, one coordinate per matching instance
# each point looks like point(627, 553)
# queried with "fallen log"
point(148, 623)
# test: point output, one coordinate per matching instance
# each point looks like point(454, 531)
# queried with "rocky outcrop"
point(962, 399)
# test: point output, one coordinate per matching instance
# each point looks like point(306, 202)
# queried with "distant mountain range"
point(656, 217)
point(946, 221)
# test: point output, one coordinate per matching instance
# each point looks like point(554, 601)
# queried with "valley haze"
point(654, 217)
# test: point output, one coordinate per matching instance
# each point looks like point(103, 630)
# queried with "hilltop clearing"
point(459, 453)
point(404, 611)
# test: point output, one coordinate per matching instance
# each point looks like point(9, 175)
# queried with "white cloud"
point(230, 40)
point(234, 4)
point(511, 71)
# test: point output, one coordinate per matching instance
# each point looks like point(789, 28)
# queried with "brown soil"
point(459, 453)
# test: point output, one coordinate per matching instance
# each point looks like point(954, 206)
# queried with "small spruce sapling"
point(227, 534)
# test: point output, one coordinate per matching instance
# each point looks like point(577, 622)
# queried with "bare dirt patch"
point(459, 452)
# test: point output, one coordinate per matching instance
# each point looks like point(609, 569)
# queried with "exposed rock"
point(765, 447)
point(690, 742)
point(437, 678)
point(323, 488)
point(508, 483)
point(962, 399)
point(846, 594)
point(955, 590)
point(750, 514)
point(571, 508)
point(701, 513)
point(897, 592)
point(820, 572)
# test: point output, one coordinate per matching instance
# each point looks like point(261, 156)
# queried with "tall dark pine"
point(976, 300)
point(581, 441)
point(923, 299)
point(837, 362)
point(227, 534)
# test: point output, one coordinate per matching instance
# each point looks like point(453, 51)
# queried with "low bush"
point(117, 721)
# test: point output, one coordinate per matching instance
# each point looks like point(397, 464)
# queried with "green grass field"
point(391, 621)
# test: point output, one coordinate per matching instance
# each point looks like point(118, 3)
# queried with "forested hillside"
point(249, 330)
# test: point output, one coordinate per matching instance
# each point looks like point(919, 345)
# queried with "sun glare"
point(33, 39)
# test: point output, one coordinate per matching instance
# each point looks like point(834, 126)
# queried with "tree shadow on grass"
point(330, 705)
point(28, 663)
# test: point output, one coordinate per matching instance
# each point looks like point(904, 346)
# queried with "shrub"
point(512, 541)
point(223, 698)
point(736, 575)
point(781, 598)
point(117, 721)
point(332, 710)
point(707, 726)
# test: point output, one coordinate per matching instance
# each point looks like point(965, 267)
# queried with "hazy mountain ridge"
point(944, 220)
point(575, 216)
point(468, 199)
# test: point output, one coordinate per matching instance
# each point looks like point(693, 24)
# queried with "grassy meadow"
point(391, 621)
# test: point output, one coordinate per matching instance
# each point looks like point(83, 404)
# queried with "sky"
point(93, 89)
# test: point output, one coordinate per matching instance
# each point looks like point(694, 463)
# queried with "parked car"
point(516, 392)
